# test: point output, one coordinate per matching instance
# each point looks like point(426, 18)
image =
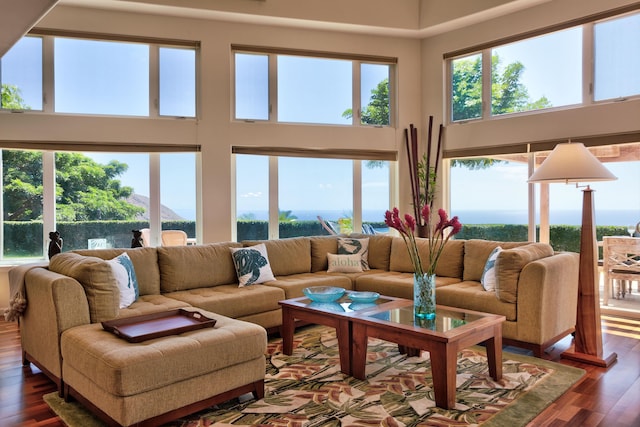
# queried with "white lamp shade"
point(571, 162)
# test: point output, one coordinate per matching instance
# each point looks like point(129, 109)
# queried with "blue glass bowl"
point(363, 297)
point(323, 293)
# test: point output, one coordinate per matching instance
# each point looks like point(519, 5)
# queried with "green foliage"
point(508, 94)
point(466, 100)
point(376, 112)
point(285, 216)
point(12, 98)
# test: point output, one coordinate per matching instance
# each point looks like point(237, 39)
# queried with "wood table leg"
point(443, 371)
point(286, 330)
point(344, 336)
point(494, 353)
point(359, 341)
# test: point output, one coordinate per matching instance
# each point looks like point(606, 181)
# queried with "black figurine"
point(55, 246)
point(136, 242)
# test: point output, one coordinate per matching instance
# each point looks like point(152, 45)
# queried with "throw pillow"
point(252, 265)
point(488, 278)
point(126, 279)
point(344, 263)
point(350, 246)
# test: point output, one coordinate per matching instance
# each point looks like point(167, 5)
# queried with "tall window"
point(22, 184)
point(311, 88)
point(100, 77)
point(96, 200)
point(489, 195)
point(306, 190)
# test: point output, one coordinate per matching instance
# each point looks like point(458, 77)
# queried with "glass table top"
point(445, 320)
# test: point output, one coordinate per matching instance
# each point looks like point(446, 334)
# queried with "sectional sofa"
point(537, 292)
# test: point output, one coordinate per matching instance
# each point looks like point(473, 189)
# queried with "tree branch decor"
point(422, 175)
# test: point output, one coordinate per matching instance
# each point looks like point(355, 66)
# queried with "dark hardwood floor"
point(605, 397)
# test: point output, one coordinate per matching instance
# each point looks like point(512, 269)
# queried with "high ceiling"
point(401, 18)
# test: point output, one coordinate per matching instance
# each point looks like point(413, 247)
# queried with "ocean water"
point(621, 217)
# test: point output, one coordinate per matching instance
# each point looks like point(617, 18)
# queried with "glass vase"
point(424, 296)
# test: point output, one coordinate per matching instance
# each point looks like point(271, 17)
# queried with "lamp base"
point(590, 359)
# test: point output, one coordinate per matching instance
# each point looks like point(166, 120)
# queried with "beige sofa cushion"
point(287, 256)
point(449, 264)
point(145, 262)
point(320, 247)
point(198, 266)
point(379, 249)
point(96, 277)
point(476, 254)
point(509, 264)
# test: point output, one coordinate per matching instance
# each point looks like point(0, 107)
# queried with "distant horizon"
point(617, 217)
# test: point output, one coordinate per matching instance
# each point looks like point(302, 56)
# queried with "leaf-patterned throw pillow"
point(125, 275)
point(349, 246)
point(488, 278)
point(252, 265)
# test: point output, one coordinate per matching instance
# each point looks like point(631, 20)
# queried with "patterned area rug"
point(308, 389)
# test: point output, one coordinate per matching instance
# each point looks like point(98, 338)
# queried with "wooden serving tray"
point(156, 325)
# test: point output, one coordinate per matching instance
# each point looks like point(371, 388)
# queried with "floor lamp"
point(571, 162)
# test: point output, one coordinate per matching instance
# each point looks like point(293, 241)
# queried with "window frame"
point(154, 44)
point(587, 65)
point(273, 174)
point(357, 61)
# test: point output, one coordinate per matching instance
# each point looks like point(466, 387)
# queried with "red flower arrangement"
point(438, 235)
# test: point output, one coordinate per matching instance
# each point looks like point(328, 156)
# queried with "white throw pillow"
point(252, 265)
point(126, 278)
point(488, 278)
point(349, 246)
point(344, 263)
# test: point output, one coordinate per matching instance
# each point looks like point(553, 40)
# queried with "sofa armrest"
point(548, 297)
point(55, 303)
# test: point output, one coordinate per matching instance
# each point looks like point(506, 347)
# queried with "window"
point(303, 195)
point(466, 88)
point(307, 188)
point(312, 88)
point(617, 44)
point(374, 92)
point(536, 73)
point(22, 182)
point(21, 75)
point(178, 192)
point(490, 191)
point(100, 77)
point(177, 82)
point(96, 201)
point(252, 86)
point(546, 71)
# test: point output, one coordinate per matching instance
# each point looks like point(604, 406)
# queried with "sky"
point(549, 72)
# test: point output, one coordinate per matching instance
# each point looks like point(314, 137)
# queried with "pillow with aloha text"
point(344, 263)
point(350, 246)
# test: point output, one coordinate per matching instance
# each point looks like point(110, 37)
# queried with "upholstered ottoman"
point(154, 381)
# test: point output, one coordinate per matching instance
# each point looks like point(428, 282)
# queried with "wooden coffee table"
point(452, 330)
point(336, 315)
point(392, 319)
